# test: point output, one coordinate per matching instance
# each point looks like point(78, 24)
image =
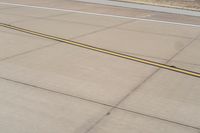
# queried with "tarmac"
point(47, 86)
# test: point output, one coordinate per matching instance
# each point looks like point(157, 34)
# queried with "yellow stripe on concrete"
point(144, 61)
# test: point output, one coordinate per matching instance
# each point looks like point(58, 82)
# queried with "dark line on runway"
point(105, 51)
point(92, 101)
point(27, 52)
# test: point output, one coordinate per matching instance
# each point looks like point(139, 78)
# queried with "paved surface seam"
point(137, 87)
point(105, 51)
point(101, 14)
point(92, 101)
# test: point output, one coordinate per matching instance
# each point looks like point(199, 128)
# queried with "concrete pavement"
point(48, 86)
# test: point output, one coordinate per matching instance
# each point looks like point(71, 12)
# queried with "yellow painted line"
point(86, 46)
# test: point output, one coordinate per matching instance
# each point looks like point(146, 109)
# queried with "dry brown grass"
point(189, 4)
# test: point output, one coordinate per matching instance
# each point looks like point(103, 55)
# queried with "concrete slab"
point(163, 28)
point(70, 5)
point(8, 18)
point(5, 6)
point(58, 28)
point(185, 65)
point(168, 95)
point(119, 11)
point(28, 109)
point(191, 54)
point(61, 4)
point(136, 42)
point(30, 12)
point(126, 122)
point(175, 18)
point(76, 71)
point(13, 44)
point(90, 19)
point(69, 81)
point(31, 2)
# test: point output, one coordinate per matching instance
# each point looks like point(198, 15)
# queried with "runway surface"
point(50, 86)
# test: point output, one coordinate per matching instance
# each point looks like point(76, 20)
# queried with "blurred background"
point(186, 4)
